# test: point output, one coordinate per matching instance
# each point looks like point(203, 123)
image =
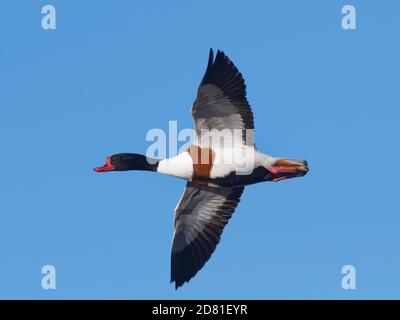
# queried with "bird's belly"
point(226, 160)
point(228, 167)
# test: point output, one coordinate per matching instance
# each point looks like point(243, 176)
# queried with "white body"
point(242, 160)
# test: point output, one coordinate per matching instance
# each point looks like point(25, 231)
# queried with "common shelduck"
point(220, 162)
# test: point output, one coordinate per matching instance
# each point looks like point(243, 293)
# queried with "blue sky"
point(112, 70)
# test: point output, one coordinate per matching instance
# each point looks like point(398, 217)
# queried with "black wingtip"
point(220, 54)
point(177, 284)
point(211, 57)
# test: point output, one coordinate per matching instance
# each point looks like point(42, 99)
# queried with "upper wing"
point(221, 101)
point(200, 218)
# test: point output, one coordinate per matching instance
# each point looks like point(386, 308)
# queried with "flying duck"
point(218, 165)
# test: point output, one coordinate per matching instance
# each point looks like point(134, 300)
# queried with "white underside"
point(240, 159)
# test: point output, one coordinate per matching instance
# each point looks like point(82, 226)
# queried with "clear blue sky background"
point(115, 69)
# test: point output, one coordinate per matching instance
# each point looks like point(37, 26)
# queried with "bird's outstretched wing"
point(200, 218)
point(221, 101)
